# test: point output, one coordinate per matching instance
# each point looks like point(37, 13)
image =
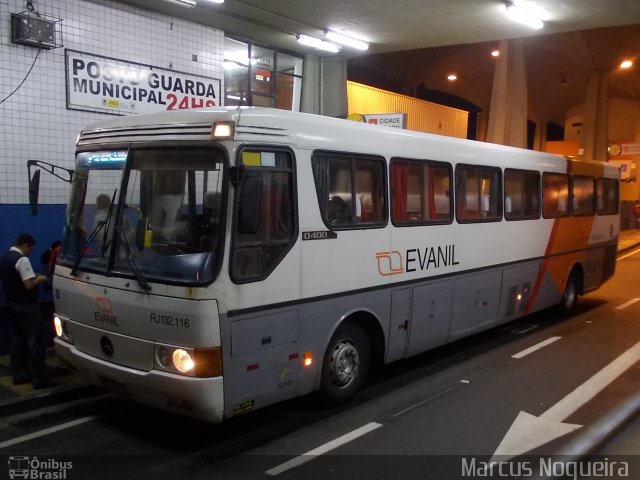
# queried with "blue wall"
point(46, 227)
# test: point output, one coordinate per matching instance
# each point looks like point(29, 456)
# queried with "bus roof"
point(270, 125)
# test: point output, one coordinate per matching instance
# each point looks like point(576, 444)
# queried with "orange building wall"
point(422, 116)
point(567, 147)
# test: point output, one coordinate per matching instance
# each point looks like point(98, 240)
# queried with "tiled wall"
point(34, 121)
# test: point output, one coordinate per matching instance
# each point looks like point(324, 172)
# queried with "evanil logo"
point(40, 469)
point(395, 262)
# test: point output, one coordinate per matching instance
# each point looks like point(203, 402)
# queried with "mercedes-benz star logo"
point(106, 346)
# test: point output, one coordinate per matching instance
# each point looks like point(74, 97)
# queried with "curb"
point(628, 249)
point(603, 430)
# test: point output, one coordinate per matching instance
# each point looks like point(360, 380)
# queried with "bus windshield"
point(151, 213)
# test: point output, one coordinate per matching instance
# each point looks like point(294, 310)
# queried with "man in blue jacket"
point(27, 349)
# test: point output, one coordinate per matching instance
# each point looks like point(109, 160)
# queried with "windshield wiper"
point(85, 245)
point(105, 244)
point(132, 261)
point(94, 233)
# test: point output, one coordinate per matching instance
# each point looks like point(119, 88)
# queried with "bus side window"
point(583, 195)
point(555, 195)
point(351, 189)
point(608, 203)
point(420, 192)
point(522, 194)
point(479, 194)
point(265, 224)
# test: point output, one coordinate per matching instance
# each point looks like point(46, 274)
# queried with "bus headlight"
point(63, 327)
point(182, 360)
point(193, 362)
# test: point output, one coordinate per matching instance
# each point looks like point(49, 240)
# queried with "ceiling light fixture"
point(317, 43)
point(346, 40)
point(626, 64)
point(452, 77)
point(184, 3)
point(527, 13)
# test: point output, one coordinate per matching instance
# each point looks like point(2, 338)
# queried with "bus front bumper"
point(200, 398)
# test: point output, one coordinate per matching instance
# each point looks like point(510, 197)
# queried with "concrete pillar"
point(333, 87)
point(508, 110)
point(481, 133)
point(310, 102)
point(595, 124)
point(539, 139)
point(324, 86)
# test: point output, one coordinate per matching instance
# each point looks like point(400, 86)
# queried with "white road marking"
point(322, 449)
point(46, 431)
point(536, 347)
point(528, 431)
point(628, 304)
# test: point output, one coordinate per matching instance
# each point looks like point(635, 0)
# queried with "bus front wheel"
point(345, 364)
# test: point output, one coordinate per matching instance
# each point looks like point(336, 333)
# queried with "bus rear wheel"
point(345, 364)
point(570, 295)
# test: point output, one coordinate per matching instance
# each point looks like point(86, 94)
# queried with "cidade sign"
point(393, 120)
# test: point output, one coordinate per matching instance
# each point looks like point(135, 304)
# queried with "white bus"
point(246, 256)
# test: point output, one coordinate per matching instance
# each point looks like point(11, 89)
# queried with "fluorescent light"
point(527, 13)
point(184, 3)
point(216, 1)
point(346, 40)
point(317, 43)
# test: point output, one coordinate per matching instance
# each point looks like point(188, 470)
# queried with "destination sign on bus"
point(101, 158)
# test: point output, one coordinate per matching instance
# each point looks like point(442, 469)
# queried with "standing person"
point(27, 349)
point(49, 258)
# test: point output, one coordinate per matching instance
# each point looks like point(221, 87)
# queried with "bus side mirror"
point(34, 189)
point(144, 235)
point(34, 180)
point(249, 204)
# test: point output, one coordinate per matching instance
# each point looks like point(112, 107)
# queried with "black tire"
point(345, 364)
point(570, 295)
